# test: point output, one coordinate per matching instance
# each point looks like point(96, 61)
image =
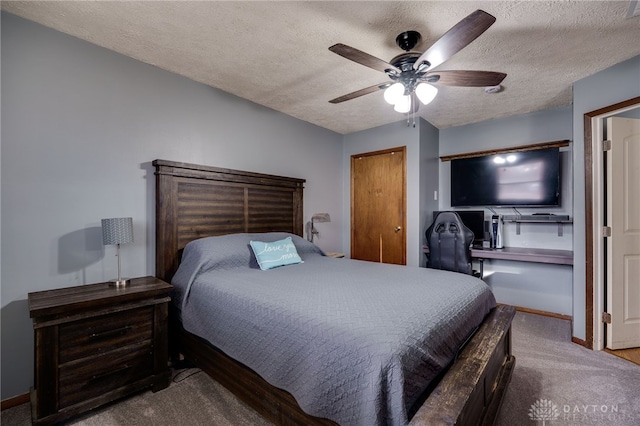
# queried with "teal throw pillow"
point(277, 253)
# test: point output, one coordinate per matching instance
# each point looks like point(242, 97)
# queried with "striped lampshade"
point(117, 230)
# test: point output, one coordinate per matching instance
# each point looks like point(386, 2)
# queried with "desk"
point(524, 254)
point(521, 254)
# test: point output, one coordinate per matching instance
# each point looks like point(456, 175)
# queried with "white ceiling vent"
point(493, 89)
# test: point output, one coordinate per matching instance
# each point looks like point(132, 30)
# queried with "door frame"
point(594, 221)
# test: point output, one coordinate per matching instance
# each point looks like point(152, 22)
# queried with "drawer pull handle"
point(110, 333)
point(109, 373)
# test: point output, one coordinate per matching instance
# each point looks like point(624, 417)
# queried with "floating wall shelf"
point(559, 220)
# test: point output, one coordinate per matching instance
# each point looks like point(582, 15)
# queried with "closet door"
point(378, 204)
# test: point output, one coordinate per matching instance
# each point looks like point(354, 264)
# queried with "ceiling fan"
point(411, 73)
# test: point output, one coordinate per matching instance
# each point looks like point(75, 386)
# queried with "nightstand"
point(334, 254)
point(97, 343)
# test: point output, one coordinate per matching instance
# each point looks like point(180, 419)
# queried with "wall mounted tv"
point(527, 178)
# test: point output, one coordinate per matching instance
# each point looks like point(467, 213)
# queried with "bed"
point(221, 211)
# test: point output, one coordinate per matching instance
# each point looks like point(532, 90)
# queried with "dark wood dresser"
point(97, 343)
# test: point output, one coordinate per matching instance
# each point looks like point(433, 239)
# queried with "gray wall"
point(429, 179)
point(615, 84)
point(536, 286)
point(634, 113)
point(420, 142)
point(80, 126)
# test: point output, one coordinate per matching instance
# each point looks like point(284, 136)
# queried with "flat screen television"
point(527, 178)
point(472, 219)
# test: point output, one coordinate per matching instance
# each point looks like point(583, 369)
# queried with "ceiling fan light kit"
point(403, 104)
point(393, 93)
point(412, 73)
point(399, 93)
point(426, 93)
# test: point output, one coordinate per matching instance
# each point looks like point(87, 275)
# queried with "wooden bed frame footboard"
point(470, 393)
point(195, 201)
point(472, 390)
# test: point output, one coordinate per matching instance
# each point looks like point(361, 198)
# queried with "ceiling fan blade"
point(362, 58)
point(465, 78)
point(361, 92)
point(457, 38)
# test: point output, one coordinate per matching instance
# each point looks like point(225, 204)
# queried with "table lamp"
point(117, 231)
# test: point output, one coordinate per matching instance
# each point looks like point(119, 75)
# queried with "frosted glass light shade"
point(394, 93)
point(403, 104)
point(426, 93)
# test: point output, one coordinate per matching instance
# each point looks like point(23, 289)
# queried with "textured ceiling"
point(276, 53)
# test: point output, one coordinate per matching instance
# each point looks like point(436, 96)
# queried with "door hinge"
point(606, 317)
point(606, 231)
point(606, 145)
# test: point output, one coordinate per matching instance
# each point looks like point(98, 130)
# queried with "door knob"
point(397, 228)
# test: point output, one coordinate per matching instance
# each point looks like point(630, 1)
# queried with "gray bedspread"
point(356, 342)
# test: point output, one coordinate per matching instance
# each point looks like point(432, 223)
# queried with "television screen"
point(527, 178)
point(472, 219)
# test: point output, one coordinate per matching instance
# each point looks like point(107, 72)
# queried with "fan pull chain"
point(410, 115)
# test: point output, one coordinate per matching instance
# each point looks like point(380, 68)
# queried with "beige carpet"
point(565, 383)
point(554, 380)
point(192, 399)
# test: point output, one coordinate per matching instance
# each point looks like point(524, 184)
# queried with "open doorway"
point(597, 247)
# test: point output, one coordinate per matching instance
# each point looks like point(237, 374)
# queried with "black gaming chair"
point(449, 244)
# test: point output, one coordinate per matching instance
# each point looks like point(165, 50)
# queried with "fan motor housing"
point(408, 40)
point(405, 61)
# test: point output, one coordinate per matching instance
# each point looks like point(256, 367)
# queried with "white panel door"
point(623, 247)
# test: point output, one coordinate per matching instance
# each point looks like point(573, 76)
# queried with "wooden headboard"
point(194, 201)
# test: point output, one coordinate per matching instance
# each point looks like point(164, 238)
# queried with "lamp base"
point(122, 282)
